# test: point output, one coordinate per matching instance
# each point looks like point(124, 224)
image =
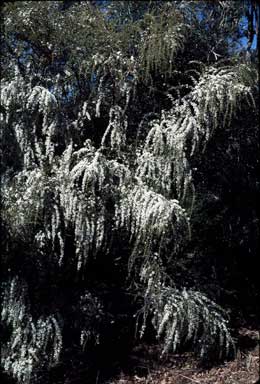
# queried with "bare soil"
point(145, 366)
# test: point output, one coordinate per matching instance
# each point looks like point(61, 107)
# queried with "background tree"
point(127, 186)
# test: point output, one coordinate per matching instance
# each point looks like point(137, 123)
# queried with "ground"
point(184, 368)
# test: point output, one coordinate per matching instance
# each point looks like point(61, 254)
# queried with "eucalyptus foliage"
point(104, 114)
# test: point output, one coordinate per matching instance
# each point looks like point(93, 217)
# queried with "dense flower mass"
point(32, 343)
point(107, 113)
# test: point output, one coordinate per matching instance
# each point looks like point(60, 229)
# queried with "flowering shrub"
point(93, 169)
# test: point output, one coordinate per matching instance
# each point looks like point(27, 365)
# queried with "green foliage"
point(111, 119)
